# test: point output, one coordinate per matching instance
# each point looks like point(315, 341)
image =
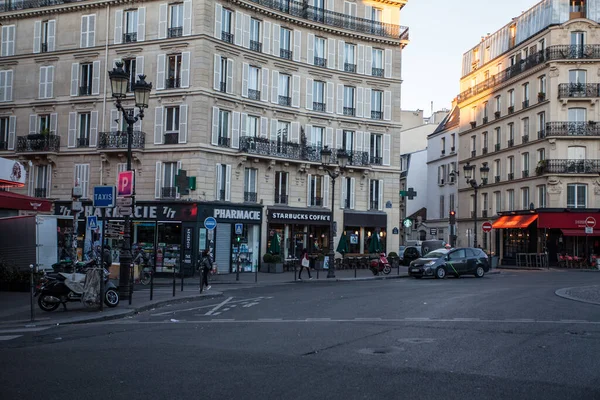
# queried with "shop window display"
point(245, 249)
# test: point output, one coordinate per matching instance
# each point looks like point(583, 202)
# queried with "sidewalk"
point(584, 294)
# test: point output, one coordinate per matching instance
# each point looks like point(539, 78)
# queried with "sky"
point(440, 31)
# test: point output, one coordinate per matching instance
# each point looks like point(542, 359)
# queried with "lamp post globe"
point(342, 158)
point(142, 89)
point(119, 79)
point(468, 170)
point(326, 155)
point(484, 170)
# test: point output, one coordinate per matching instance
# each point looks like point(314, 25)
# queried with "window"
point(498, 138)
point(525, 137)
point(577, 6)
point(320, 59)
point(525, 198)
point(497, 171)
point(319, 10)
point(511, 99)
point(576, 195)
point(82, 178)
point(525, 164)
point(376, 193)
point(281, 187)
point(285, 98)
point(542, 85)
point(47, 36)
point(376, 14)
point(223, 129)
point(319, 96)
point(130, 66)
point(510, 200)
point(377, 66)
point(347, 199)
point(176, 20)
point(453, 137)
point(511, 134)
point(283, 129)
point(485, 112)
point(541, 193)
point(349, 57)
point(168, 187)
point(223, 186)
point(348, 141)
point(376, 104)
point(443, 145)
point(498, 105)
point(83, 131)
point(577, 76)
point(254, 83)
point(131, 23)
point(577, 115)
point(451, 202)
point(473, 146)
point(225, 67)
point(226, 32)
point(452, 172)
point(525, 95)
point(441, 174)
point(484, 204)
point(251, 126)
point(173, 71)
point(473, 115)
point(44, 123)
point(541, 125)
point(315, 190)
point(317, 137)
point(41, 180)
point(498, 201)
point(3, 133)
point(171, 125)
point(46, 88)
point(349, 108)
point(285, 43)
point(442, 206)
point(541, 154)
point(85, 79)
point(511, 168)
point(250, 175)
point(255, 43)
point(88, 30)
point(376, 149)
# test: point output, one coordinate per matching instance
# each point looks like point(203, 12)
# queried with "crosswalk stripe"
point(9, 337)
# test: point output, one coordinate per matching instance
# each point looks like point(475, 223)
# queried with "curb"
point(522, 268)
point(562, 293)
point(368, 278)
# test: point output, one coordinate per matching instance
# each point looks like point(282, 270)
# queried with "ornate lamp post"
point(119, 80)
point(333, 169)
point(468, 170)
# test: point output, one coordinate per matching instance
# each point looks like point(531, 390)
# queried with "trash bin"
point(495, 261)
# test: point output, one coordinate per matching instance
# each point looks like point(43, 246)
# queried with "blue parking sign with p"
point(239, 229)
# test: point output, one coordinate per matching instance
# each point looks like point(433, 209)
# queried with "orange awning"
point(514, 221)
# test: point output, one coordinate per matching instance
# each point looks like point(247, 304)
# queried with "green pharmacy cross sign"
point(410, 193)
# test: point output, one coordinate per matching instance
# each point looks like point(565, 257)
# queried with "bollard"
point(31, 271)
point(131, 280)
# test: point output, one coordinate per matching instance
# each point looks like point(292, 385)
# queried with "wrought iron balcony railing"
point(497, 147)
point(317, 106)
point(524, 138)
point(565, 166)
point(525, 103)
point(525, 173)
point(281, 199)
point(320, 61)
point(377, 72)
point(222, 195)
point(511, 176)
point(44, 47)
point(511, 142)
point(130, 37)
point(223, 141)
point(316, 201)
point(376, 114)
point(172, 83)
point(38, 144)
point(168, 192)
point(473, 153)
point(578, 90)
point(349, 111)
point(484, 120)
point(484, 150)
point(250, 197)
point(256, 46)
point(572, 129)
point(175, 32)
point(374, 205)
point(83, 142)
point(222, 87)
point(376, 160)
point(541, 134)
point(349, 67)
point(85, 90)
point(40, 192)
point(171, 138)
point(496, 178)
point(118, 140)
point(287, 54)
point(285, 101)
point(227, 37)
point(253, 94)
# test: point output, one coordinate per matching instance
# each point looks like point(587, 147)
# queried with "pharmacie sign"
point(171, 212)
point(237, 214)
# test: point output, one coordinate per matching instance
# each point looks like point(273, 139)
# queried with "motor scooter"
point(380, 265)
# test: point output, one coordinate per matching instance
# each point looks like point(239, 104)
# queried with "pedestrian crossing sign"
point(92, 222)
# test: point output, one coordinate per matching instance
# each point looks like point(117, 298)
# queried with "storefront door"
point(223, 248)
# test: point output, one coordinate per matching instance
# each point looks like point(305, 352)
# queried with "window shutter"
point(310, 49)
point(48, 179)
point(386, 149)
point(341, 48)
point(388, 63)
point(85, 180)
point(32, 124)
point(296, 91)
point(367, 142)
point(308, 131)
point(187, 18)
point(243, 124)
point(308, 193)
point(183, 123)
point(137, 126)
point(264, 92)
point(12, 128)
point(11, 40)
point(185, 69)
point(157, 180)
point(235, 131)
point(295, 132)
point(160, 71)
point(229, 84)
point(367, 103)
point(380, 196)
point(325, 189)
point(177, 194)
point(51, 35)
point(37, 36)
point(344, 194)
point(245, 71)
point(340, 99)
point(360, 59)
point(4, 47)
point(331, 53)
point(369, 13)
point(217, 73)
point(50, 82)
point(359, 102)
point(330, 6)
point(276, 40)
point(158, 125)
point(246, 27)
point(237, 38)
point(218, 20)
point(339, 142)
point(329, 137)
point(358, 141)
point(139, 65)
point(8, 85)
point(297, 53)
point(74, 79)
point(368, 60)
point(352, 193)
point(387, 105)
point(31, 180)
point(264, 127)
point(266, 40)
point(309, 94)
point(84, 31)
point(215, 126)
point(141, 26)
point(218, 180)
point(91, 42)
point(72, 129)
point(114, 120)
point(118, 26)
point(228, 183)
point(274, 129)
point(93, 128)
point(96, 77)
point(162, 20)
point(274, 87)
point(42, 83)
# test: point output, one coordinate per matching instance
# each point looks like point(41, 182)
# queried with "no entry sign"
point(486, 226)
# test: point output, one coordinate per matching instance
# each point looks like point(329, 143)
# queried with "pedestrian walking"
point(206, 265)
point(304, 263)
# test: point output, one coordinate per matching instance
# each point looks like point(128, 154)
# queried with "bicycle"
point(141, 259)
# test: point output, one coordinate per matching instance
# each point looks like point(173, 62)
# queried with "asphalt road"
point(505, 336)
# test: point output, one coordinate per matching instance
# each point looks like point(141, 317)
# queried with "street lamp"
point(468, 170)
point(334, 169)
point(119, 80)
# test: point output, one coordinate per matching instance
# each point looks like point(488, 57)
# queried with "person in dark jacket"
point(206, 265)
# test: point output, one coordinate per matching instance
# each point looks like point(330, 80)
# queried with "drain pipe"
point(104, 91)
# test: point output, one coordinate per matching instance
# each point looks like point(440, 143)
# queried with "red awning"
point(579, 232)
point(15, 201)
point(566, 220)
point(514, 221)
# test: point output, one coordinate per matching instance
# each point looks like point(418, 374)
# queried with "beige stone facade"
point(242, 90)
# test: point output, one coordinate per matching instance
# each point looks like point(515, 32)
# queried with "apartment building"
point(528, 112)
point(245, 95)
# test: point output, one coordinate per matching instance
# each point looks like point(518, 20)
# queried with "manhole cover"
point(379, 350)
point(416, 340)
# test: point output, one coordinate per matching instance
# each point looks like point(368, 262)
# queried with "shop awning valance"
point(15, 201)
point(579, 232)
point(514, 221)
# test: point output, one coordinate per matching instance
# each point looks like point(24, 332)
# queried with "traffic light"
point(452, 217)
point(238, 238)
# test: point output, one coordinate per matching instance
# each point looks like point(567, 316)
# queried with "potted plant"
point(393, 259)
point(272, 264)
point(541, 96)
point(541, 167)
point(320, 261)
point(267, 261)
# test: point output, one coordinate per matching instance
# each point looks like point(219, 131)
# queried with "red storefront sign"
point(566, 220)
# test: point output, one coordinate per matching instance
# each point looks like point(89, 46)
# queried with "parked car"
point(410, 253)
point(456, 262)
point(401, 252)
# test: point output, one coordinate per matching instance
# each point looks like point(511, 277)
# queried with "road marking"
point(9, 337)
point(211, 312)
point(317, 319)
point(367, 319)
point(230, 304)
point(24, 330)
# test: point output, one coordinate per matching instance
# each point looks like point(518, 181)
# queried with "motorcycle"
point(62, 287)
point(380, 265)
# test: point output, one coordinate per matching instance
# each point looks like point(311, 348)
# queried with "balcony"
point(443, 152)
point(318, 106)
point(222, 87)
point(497, 179)
point(281, 199)
point(525, 174)
point(376, 114)
point(541, 97)
point(38, 144)
point(227, 37)
point(349, 111)
point(284, 53)
point(253, 94)
point(83, 142)
point(572, 129)
point(285, 101)
point(565, 166)
point(452, 149)
point(250, 197)
point(497, 147)
point(484, 150)
point(473, 124)
point(256, 46)
point(511, 109)
point(85, 90)
point(497, 115)
point(223, 141)
point(175, 32)
point(316, 201)
point(525, 139)
point(320, 61)
point(473, 153)
point(511, 176)
point(511, 142)
point(541, 134)
point(377, 72)
point(525, 103)
point(484, 213)
point(171, 138)
point(578, 90)
point(40, 192)
point(172, 83)
point(118, 140)
point(130, 37)
point(349, 67)
point(374, 205)
point(168, 193)
point(44, 47)
point(221, 195)
point(484, 120)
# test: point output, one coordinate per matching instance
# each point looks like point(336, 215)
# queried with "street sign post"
point(433, 231)
point(124, 201)
point(104, 196)
point(125, 185)
point(486, 227)
point(590, 222)
point(239, 229)
point(589, 231)
point(210, 223)
point(92, 222)
point(124, 210)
